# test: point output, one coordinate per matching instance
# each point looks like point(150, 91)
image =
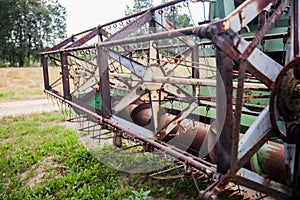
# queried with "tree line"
point(28, 27)
point(173, 14)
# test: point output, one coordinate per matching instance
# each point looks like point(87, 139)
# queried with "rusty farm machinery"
point(222, 96)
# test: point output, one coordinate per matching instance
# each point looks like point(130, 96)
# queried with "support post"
point(195, 70)
point(224, 109)
point(65, 75)
point(45, 72)
point(106, 110)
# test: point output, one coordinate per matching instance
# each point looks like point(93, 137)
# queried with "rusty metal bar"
point(62, 44)
point(205, 82)
point(124, 18)
point(131, 27)
point(256, 182)
point(163, 35)
point(169, 26)
point(296, 26)
point(260, 62)
point(155, 36)
point(167, 4)
point(224, 121)
point(68, 49)
point(195, 70)
point(102, 60)
point(266, 27)
point(152, 51)
point(254, 137)
point(245, 13)
point(238, 113)
point(65, 75)
point(45, 72)
point(84, 39)
point(83, 32)
point(208, 42)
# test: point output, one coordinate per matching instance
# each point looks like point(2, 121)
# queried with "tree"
point(172, 13)
point(30, 26)
point(138, 5)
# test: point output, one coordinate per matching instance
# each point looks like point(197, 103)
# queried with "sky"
point(86, 14)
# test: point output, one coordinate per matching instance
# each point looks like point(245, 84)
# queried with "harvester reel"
point(285, 102)
point(148, 94)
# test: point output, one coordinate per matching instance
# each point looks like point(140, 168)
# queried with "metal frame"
point(232, 153)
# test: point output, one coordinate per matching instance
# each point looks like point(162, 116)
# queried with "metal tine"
point(75, 119)
point(70, 112)
point(88, 127)
point(98, 136)
point(157, 174)
point(64, 109)
point(102, 138)
point(126, 148)
point(85, 119)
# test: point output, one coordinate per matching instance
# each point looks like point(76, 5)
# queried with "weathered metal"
point(224, 121)
point(165, 95)
point(65, 75)
point(104, 82)
point(264, 29)
point(84, 39)
point(44, 62)
point(238, 113)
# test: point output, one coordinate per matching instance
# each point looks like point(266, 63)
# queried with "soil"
point(40, 173)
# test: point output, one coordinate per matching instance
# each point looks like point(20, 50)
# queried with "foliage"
point(173, 13)
point(139, 195)
point(28, 27)
point(74, 173)
point(138, 5)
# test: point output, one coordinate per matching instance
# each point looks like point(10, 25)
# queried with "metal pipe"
point(262, 163)
point(68, 49)
point(198, 163)
point(155, 36)
point(206, 82)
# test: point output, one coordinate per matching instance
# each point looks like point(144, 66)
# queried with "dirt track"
point(15, 108)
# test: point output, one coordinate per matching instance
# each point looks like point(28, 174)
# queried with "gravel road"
point(15, 108)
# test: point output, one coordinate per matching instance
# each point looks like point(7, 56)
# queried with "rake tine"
point(101, 134)
point(126, 148)
point(88, 127)
point(167, 170)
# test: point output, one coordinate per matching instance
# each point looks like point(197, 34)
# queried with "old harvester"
point(221, 97)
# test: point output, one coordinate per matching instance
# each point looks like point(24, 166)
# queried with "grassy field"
point(42, 159)
point(23, 83)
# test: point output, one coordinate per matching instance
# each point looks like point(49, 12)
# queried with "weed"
point(139, 195)
point(40, 159)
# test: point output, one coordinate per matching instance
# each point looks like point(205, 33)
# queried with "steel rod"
point(171, 150)
point(155, 36)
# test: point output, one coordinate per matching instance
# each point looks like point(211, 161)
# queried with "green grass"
point(20, 94)
point(69, 171)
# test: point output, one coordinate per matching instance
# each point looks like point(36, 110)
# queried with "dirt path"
point(15, 108)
